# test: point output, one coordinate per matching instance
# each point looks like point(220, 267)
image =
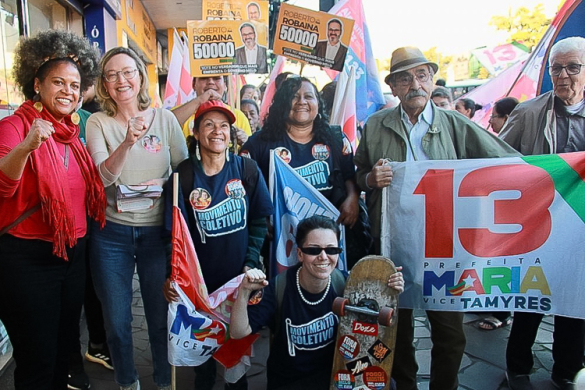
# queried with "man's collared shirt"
point(251, 55)
point(416, 132)
point(332, 50)
point(571, 129)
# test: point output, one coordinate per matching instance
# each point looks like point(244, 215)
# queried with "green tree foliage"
point(524, 25)
point(442, 60)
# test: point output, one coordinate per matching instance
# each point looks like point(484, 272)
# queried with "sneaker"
point(78, 381)
point(562, 384)
point(133, 386)
point(100, 355)
point(518, 381)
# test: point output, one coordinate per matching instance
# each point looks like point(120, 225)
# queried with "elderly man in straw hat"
point(417, 130)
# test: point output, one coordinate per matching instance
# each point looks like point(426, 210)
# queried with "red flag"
point(271, 88)
point(171, 98)
point(186, 85)
point(206, 333)
point(186, 271)
point(344, 107)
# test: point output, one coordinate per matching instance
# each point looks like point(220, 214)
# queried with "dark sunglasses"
point(315, 250)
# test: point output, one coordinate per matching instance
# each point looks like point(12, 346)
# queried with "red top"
point(18, 196)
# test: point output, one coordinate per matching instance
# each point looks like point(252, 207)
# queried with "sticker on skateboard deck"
point(344, 380)
point(367, 313)
point(349, 347)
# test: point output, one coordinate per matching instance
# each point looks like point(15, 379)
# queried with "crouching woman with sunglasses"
point(298, 360)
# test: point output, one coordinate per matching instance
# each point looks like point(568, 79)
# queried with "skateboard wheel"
point(385, 316)
point(339, 306)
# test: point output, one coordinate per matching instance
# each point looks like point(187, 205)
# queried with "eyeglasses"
point(315, 250)
point(112, 77)
point(405, 79)
point(572, 69)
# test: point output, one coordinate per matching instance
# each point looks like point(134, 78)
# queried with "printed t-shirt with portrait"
point(314, 161)
point(153, 156)
point(305, 341)
point(219, 211)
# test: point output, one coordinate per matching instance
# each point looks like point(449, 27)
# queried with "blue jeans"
point(114, 252)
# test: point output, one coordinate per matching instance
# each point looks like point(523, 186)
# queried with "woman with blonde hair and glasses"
point(132, 144)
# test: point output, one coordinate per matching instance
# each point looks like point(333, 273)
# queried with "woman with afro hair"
point(48, 187)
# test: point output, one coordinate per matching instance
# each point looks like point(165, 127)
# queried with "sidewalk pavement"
point(483, 366)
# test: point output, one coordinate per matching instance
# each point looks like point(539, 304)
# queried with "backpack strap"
point(338, 281)
point(249, 174)
point(186, 171)
point(279, 287)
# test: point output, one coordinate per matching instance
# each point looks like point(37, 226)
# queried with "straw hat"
point(405, 58)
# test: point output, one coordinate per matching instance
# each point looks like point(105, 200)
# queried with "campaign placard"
point(495, 234)
point(256, 10)
point(317, 38)
point(218, 47)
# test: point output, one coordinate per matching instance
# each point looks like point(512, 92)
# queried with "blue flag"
point(294, 199)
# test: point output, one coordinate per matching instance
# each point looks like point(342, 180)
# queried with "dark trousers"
point(40, 306)
point(206, 374)
point(94, 319)
point(446, 353)
point(568, 338)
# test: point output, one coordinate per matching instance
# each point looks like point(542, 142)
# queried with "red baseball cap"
point(215, 105)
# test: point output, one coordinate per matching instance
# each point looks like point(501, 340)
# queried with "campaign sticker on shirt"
point(284, 154)
point(235, 189)
point(343, 380)
point(151, 143)
point(356, 367)
point(349, 347)
point(379, 351)
point(375, 378)
point(365, 328)
point(320, 152)
point(200, 198)
point(347, 149)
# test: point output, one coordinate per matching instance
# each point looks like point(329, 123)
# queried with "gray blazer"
point(261, 58)
point(321, 50)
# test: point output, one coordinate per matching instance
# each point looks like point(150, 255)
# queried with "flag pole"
point(176, 189)
point(175, 204)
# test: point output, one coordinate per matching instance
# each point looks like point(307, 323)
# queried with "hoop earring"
point(197, 154)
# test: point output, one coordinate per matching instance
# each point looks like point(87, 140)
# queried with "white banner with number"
point(489, 234)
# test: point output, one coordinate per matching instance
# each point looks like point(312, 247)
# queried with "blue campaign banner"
point(294, 199)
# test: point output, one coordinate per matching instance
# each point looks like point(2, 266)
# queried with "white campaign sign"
point(489, 234)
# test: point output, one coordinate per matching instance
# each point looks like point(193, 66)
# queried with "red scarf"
point(52, 178)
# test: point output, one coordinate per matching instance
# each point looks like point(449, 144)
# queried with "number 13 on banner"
point(530, 210)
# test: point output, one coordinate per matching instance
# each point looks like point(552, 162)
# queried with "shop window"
point(45, 15)
point(10, 97)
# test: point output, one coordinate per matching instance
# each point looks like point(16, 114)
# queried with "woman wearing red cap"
point(227, 184)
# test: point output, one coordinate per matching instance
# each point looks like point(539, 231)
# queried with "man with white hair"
point(553, 122)
point(417, 130)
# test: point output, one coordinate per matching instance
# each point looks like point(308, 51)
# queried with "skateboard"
point(366, 334)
